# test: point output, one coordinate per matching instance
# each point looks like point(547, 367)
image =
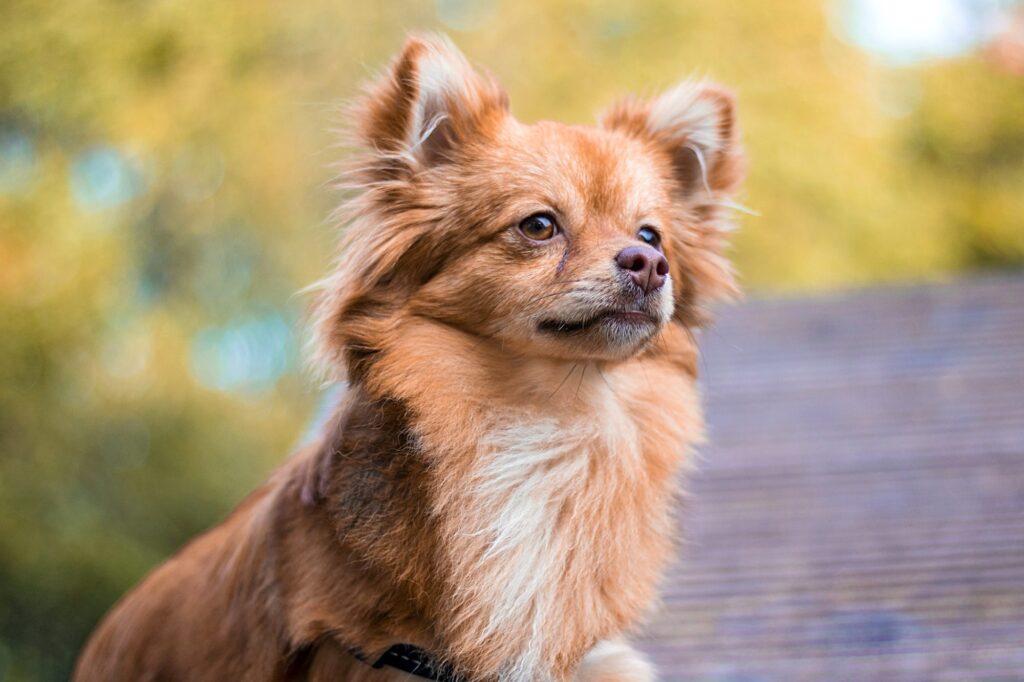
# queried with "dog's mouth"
point(619, 318)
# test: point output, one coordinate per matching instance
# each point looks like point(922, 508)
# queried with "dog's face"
point(565, 253)
point(554, 240)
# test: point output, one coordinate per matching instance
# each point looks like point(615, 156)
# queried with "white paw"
point(615, 661)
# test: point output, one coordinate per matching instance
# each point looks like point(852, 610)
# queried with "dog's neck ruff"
point(410, 659)
point(551, 498)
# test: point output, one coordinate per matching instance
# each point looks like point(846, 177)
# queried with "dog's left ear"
point(695, 124)
point(694, 127)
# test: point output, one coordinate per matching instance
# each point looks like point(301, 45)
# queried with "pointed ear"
point(695, 123)
point(429, 103)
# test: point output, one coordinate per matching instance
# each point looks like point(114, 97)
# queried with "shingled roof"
point(858, 513)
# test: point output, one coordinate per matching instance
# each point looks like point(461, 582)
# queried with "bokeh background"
point(165, 186)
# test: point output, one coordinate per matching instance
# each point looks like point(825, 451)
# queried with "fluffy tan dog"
point(513, 314)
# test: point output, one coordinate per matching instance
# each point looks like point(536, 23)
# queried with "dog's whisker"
point(562, 382)
point(580, 384)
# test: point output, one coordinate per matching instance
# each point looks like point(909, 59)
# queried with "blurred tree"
point(965, 144)
point(163, 194)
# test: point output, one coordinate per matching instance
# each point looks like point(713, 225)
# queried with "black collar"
point(410, 659)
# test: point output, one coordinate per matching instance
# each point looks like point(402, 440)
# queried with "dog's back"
point(243, 601)
point(177, 623)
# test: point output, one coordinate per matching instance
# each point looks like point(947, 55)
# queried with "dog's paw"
point(615, 661)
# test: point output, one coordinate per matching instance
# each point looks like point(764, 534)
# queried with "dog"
point(513, 316)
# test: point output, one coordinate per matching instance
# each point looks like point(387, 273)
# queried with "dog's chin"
point(606, 334)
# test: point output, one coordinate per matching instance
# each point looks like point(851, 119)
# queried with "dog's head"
point(554, 240)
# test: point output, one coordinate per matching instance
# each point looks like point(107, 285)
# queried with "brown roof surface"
point(859, 511)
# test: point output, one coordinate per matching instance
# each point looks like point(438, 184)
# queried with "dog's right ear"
point(422, 113)
point(428, 104)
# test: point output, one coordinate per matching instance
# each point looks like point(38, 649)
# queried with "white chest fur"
point(530, 528)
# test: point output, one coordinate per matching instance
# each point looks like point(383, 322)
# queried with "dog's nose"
point(646, 266)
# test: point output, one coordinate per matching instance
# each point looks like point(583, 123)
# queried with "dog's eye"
point(539, 227)
point(649, 235)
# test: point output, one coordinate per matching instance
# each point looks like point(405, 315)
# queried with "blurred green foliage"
point(164, 187)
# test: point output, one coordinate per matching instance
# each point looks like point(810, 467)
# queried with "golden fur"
point(497, 483)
